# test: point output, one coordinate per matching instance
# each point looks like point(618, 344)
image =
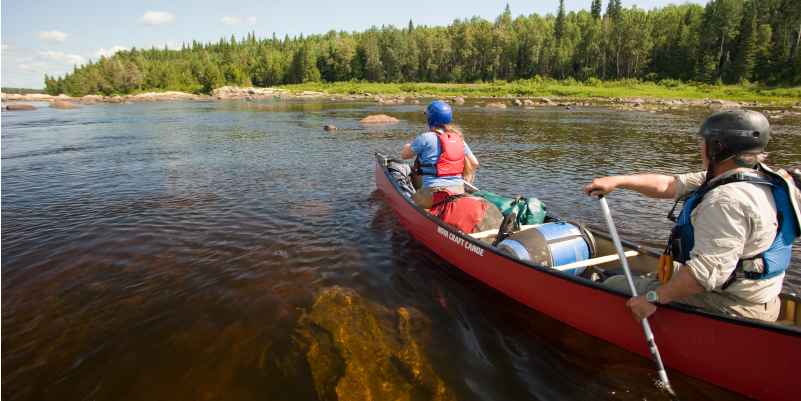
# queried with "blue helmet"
point(438, 113)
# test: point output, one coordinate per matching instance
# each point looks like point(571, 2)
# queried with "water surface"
point(170, 250)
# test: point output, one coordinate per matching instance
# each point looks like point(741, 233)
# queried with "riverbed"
point(187, 250)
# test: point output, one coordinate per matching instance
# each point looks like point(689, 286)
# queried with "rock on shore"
point(378, 119)
point(230, 92)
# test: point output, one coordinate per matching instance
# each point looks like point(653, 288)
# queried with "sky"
point(49, 37)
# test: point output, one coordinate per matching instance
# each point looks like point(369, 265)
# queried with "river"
point(179, 250)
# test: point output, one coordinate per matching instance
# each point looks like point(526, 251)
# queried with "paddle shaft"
point(473, 187)
point(593, 261)
point(660, 368)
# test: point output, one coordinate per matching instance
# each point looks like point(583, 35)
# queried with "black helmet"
point(731, 132)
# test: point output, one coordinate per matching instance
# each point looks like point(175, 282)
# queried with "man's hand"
point(640, 307)
point(601, 186)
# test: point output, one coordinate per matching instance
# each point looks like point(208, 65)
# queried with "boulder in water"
point(12, 107)
point(330, 128)
point(715, 105)
point(496, 106)
point(379, 119)
point(63, 105)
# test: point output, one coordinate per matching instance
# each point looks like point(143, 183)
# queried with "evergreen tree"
point(595, 8)
point(743, 65)
point(559, 25)
point(613, 9)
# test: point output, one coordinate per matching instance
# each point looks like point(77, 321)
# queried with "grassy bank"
point(567, 88)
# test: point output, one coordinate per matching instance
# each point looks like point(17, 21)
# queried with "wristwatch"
point(651, 296)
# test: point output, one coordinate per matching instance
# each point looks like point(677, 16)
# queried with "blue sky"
point(48, 37)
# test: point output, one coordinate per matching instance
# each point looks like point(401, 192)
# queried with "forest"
point(726, 41)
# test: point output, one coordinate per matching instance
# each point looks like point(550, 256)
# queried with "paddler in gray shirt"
point(733, 238)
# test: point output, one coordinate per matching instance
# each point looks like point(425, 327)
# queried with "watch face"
point(651, 296)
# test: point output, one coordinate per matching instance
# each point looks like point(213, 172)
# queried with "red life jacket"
point(451, 161)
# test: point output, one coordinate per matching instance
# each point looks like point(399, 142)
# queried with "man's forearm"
point(682, 285)
point(651, 185)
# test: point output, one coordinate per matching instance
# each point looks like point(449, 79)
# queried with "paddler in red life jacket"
point(733, 239)
point(443, 157)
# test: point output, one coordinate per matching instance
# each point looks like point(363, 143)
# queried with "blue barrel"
point(552, 244)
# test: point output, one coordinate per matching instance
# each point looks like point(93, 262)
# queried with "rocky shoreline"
point(788, 107)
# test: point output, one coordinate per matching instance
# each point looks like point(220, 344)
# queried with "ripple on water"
point(167, 250)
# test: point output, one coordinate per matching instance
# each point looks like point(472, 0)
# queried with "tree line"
point(23, 91)
point(726, 41)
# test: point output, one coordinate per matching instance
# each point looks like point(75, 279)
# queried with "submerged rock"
point(330, 128)
point(357, 350)
point(496, 106)
point(12, 107)
point(379, 118)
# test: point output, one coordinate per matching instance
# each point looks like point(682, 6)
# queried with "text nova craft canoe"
point(754, 358)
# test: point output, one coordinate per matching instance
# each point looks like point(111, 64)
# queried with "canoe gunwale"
point(755, 323)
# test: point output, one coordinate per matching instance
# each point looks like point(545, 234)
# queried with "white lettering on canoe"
point(460, 241)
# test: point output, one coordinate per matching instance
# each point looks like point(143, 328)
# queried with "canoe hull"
point(707, 346)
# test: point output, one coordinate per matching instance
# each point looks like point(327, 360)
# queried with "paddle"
point(660, 369)
point(473, 187)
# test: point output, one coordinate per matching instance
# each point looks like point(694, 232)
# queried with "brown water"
point(185, 250)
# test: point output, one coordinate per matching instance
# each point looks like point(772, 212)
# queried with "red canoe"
point(754, 358)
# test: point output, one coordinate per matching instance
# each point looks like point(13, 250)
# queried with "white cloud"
point(237, 21)
point(155, 18)
point(53, 35)
point(24, 68)
point(108, 53)
point(47, 61)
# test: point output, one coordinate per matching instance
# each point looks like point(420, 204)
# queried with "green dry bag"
point(529, 210)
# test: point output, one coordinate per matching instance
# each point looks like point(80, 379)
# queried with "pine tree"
point(595, 9)
point(613, 9)
point(743, 65)
point(559, 25)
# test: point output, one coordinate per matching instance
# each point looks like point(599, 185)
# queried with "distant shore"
point(633, 95)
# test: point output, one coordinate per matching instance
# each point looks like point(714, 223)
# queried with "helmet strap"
point(710, 171)
point(743, 164)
